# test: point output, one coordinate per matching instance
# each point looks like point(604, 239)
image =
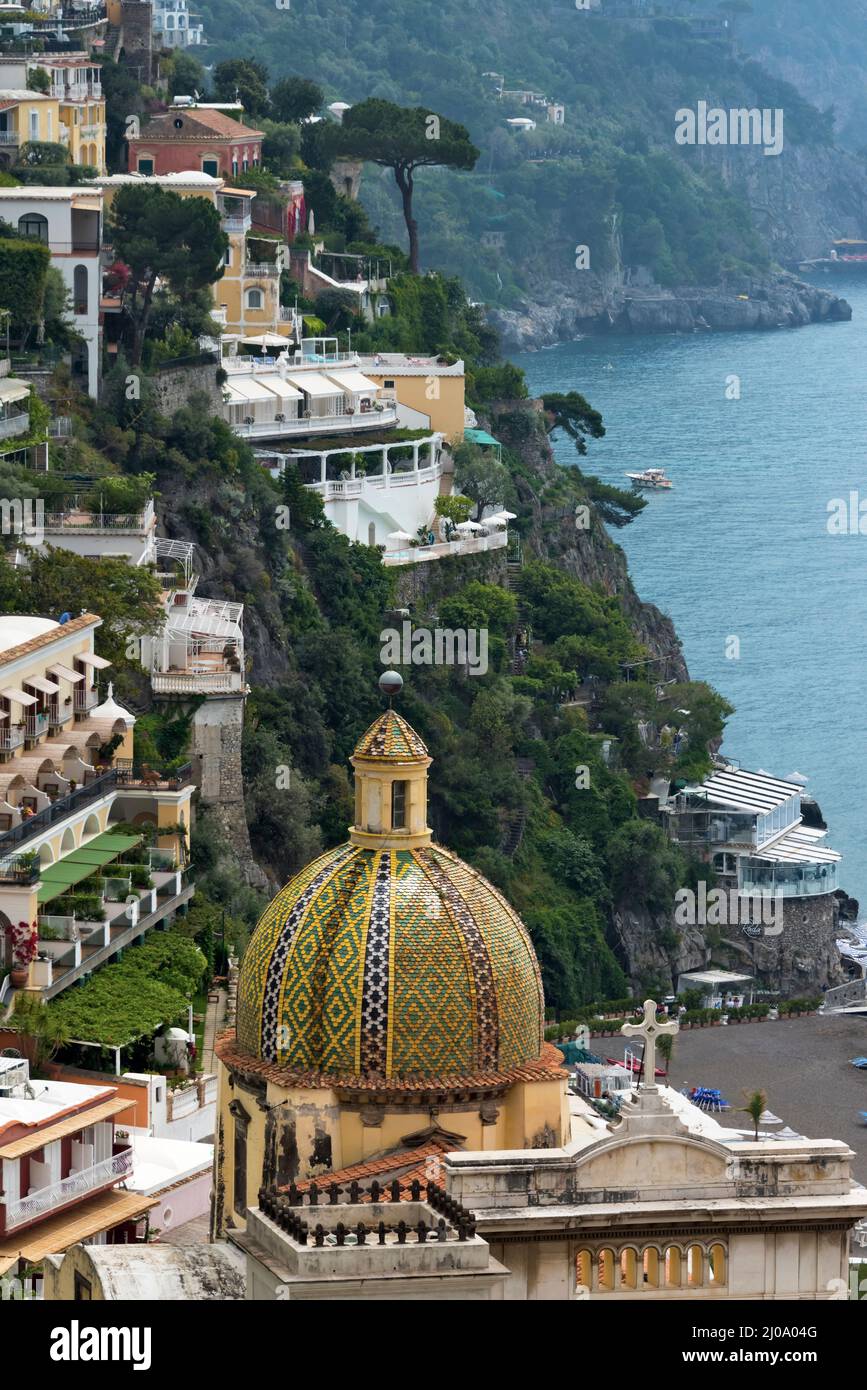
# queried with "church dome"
point(388, 960)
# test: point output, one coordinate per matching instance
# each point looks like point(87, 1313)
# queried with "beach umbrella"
point(400, 536)
point(767, 1117)
point(469, 526)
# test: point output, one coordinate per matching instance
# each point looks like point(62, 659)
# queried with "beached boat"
point(650, 480)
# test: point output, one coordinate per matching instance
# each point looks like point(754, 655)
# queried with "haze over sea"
point(740, 547)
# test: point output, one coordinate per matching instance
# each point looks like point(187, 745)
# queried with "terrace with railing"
point(69, 1189)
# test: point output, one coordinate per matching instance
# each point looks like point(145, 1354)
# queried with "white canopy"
point(400, 536)
point(280, 388)
point(313, 384)
point(20, 697)
point(98, 663)
point(354, 381)
point(12, 389)
point(469, 526)
point(38, 683)
point(266, 340)
point(246, 389)
point(66, 673)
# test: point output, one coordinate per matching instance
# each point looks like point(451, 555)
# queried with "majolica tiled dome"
point(389, 963)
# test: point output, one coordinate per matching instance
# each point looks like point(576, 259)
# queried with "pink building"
point(60, 1165)
point(195, 138)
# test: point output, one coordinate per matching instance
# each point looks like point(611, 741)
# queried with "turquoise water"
point(741, 547)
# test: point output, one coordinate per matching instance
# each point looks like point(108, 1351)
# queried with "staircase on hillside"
point(516, 821)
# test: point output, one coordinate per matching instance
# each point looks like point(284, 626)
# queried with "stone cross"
point(649, 1030)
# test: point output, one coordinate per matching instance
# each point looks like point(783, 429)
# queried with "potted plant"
point(23, 938)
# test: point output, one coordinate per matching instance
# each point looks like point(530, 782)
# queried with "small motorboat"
point(859, 1062)
point(650, 480)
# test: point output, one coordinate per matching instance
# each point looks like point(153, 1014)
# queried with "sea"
point(757, 554)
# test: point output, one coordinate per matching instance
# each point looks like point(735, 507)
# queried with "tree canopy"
point(402, 139)
point(158, 234)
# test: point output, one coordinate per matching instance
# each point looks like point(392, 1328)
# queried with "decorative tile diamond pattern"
point(513, 961)
point(432, 1026)
point(487, 1022)
point(390, 964)
point(273, 1048)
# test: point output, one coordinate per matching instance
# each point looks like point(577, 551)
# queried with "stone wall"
point(136, 24)
point(420, 586)
point(218, 727)
point(173, 386)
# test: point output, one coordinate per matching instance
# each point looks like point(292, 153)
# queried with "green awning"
point(480, 437)
point(73, 868)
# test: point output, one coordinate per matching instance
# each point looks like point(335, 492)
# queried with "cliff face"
point(559, 311)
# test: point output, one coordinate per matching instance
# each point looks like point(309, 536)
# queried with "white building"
point(174, 25)
point(69, 222)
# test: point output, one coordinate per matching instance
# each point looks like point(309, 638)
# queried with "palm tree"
point(755, 1108)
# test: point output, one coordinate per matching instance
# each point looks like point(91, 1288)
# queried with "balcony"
point(232, 223)
point(13, 425)
point(84, 701)
point(130, 774)
point(10, 137)
point(197, 682)
point(98, 521)
point(78, 1184)
point(467, 545)
point(20, 868)
point(261, 271)
point(316, 424)
point(35, 725)
point(60, 809)
point(11, 739)
point(59, 716)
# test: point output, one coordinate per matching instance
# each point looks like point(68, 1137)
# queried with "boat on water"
point(650, 480)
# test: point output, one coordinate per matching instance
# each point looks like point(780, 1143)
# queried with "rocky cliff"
point(556, 311)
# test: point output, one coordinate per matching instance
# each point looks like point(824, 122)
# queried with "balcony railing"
point(236, 224)
point(59, 715)
point(11, 738)
point(95, 521)
point(85, 700)
point(19, 868)
point(130, 774)
point(261, 271)
point(10, 137)
point(60, 809)
point(109, 1170)
point(196, 683)
point(15, 424)
point(35, 724)
point(276, 429)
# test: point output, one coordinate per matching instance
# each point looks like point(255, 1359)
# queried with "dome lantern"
point(391, 764)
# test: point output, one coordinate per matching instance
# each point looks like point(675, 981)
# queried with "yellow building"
point(429, 392)
point(247, 297)
point(70, 113)
point(389, 994)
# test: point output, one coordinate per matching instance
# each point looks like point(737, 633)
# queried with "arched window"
point(606, 1270)
point(695, 1266)
point(371, 533)
point(584, 1269)
point(79, 289)
point(672, 1267)
point(254, 299)
point(35, 225)
point(628, 1269)
point(650, 1268)
point(717, 1265)
point(242, 1120)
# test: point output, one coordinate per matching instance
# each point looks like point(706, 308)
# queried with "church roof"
point(390, 967)
point(390, 737)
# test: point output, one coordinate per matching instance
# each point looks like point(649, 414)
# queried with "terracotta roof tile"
point(44, 639)
point(390, 737)
point(546, 1068)
point(196, 124)
point(404, 1164)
